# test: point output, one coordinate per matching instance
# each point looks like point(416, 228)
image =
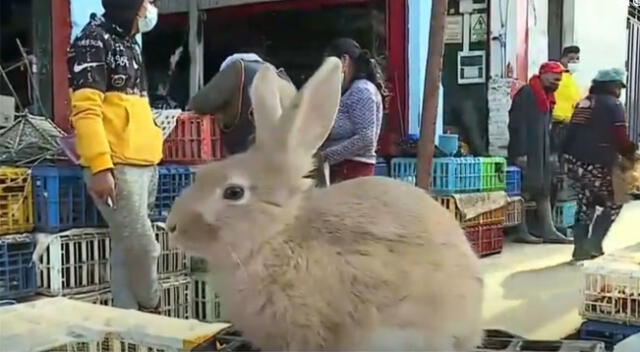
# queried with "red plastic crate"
point(486, 240)
point(194, 140)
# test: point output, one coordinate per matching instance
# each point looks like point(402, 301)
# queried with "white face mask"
point(574, 67)
point(149, 21)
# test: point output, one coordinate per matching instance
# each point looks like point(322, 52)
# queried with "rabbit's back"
point(397, 252)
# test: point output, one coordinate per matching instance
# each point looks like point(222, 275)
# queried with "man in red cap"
point(529, 149)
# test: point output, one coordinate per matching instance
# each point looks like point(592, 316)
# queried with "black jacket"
point(529, 136)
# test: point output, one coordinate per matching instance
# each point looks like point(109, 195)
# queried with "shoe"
point(580, 237)
point(522, 235)
point(548, 231)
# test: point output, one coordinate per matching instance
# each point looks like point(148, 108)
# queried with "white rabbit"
point(368, 264)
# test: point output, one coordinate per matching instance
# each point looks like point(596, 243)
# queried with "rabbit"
point(367, 264)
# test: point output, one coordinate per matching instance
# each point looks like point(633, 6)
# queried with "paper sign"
point(479, 27)
point(453, 30)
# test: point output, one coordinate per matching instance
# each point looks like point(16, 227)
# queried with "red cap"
point(552, 67)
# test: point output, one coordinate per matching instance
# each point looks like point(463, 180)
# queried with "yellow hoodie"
point(567, 96)
point(110, 109)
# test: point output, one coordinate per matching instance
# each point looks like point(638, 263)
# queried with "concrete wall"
point(601, 32)
point(419, 27)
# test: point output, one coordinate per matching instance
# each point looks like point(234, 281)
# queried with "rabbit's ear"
point(267, 101)
point(309, 119)
point(287, 92)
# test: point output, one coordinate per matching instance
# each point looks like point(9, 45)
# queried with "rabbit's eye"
point(233, 192)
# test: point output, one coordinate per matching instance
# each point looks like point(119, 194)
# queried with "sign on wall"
point(453, 30)
point(479, 27)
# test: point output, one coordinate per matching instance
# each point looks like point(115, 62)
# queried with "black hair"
point(365, 66)
point(122, 13)
point(573, 49)
point(605, 88)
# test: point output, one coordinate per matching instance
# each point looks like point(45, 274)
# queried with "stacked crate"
point(565, 207)
point(76, 259)
point(17, 275)
point(452, 176)
point(194, 141)
point(611, 300)
point(515, 207)
point(207, 305)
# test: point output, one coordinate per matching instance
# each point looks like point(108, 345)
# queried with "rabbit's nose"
point(172, 228)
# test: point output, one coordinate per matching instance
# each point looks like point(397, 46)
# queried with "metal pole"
point(426, 146)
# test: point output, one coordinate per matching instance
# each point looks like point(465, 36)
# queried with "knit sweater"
point(355, 132)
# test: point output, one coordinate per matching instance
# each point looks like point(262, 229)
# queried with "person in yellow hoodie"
point(567, 95)
point(119, 143)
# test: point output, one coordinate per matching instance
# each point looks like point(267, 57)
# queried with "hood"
point(122, 13)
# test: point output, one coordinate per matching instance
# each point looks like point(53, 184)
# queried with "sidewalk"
point(533, 291)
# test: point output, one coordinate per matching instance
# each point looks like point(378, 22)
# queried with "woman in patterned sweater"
point(596, 137)
point(351, 146)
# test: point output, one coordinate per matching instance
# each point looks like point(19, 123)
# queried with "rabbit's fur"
point(368, 264)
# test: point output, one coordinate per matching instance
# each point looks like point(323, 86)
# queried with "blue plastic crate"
point(609, 333)
point(564, 214)
point(404, 169)
point(456, 175)
point(61, 199)
point(17, 272)
point(172, 180)
point(382, 168)
point(514, 181)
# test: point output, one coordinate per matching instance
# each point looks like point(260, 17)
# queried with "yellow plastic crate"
point(493, 217)
point(16, 201)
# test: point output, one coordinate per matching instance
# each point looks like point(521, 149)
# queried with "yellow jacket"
point(114, 128)
point(567, 96)
point(110, 109)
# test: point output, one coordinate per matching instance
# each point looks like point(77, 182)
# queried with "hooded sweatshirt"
point(110, 107)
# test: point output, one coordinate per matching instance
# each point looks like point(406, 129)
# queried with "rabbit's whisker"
point(237, 259)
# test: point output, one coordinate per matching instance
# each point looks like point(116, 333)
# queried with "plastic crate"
point(62, 201)
point(51, 324)
point(194, 140)
point(564, 188)
point(175, 301)
point(564, 214)
point(515, 212)
point(612, 292)
point(17, 272)
point(172, 180)
point(455, 175)
point(486, 240)
point(206, 301)
point(494, 174)
point(74, 262)
point(522, 345)
point(404, 169)
point(609, 333)
point(101, 298)
point(493, 217)
point(382, 168)
point(172, 261)
point(16, 204)
point(514, 181)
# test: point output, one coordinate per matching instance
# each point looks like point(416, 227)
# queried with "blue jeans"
point(134, 250)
